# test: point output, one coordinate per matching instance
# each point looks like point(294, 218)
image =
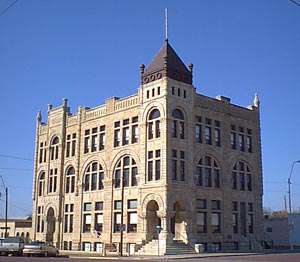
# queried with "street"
point(251, 258)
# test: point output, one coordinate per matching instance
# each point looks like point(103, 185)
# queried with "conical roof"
point(167, 63)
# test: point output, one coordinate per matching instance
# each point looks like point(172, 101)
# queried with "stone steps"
point(175, 248)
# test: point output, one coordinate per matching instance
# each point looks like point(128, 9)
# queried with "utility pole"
point(289, 185)
point(6, 210)
point(122, 215)
point(6, 204)
point(285, 205)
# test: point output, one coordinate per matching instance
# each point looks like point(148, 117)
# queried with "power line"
point(6, 9)
point(15, 157)
point(294, 2)
point(16, 169)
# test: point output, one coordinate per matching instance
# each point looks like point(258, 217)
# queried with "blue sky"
point(90, 50)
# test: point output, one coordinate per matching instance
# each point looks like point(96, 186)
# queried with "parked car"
point(11, 245)
point(40, 248)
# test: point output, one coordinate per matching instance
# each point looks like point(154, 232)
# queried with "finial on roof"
point(65, 102)
point(256, 101)
point(39, 116)
point(49, 107)
point(142, 68)
point(191, 66)
point(166, 24)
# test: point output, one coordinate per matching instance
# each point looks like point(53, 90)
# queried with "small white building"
point(294, 229)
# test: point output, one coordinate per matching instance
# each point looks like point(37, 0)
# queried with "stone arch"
point(236, 160)
point(183, 110)
point(155, 197)
point(121, 154)
point(152, 106)
point(87, 162)
point(209, 152)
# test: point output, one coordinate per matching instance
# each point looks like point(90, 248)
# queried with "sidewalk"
point(78, 255)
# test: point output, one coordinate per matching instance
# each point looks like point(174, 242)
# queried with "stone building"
point(166, 156)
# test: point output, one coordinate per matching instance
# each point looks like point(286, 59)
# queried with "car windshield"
point(12, 240)
point(36, 243)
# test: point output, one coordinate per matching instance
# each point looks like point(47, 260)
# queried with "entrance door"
point(50, 225)
point(152, 220)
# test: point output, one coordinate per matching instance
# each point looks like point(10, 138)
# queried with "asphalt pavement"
point(288, 257)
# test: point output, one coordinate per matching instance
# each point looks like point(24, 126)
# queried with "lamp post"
point(289, 185)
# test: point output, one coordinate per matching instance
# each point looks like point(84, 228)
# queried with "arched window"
point(207, 172)
point(177, 124)
point(93, 177)
point(41, 184)
point(70, 180)
point(126, 170)
point(154, 124)
point(241, 177)
point(54, 148)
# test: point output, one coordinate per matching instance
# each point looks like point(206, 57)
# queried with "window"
point(153, 124)
point(233, 140)
point(132, 221)
point(98, 222)
point(244, 139)
point(41, 184)
point(87, 206)
point(250, 223)
point(201, 203)
point(42, 152)
point(117, 222)
point(198, 133)
point(94, 139)
point(215, 204)
point(99, 206)
point(201, 222)
point(71, 145)
point(250, 218)
point(70, 180)
point(207, 173)
point(177, 124)
point(132, 204)
point(117, 135)
point(132, 215)
point(68, 218)
point(134, 134)
point(158, 90)
point(173, 90)
point(126, 170)
point(178, 165)
point(216, 222)
point(40, 221)
point(235, 225)
point(153, 171)
point(117, 204)
point(241, 170)
point(52, 180)
point(217, 137)
point(125, 132)
point(54, 148)
point(93, 177)
point(241, 142)
point(87, 223)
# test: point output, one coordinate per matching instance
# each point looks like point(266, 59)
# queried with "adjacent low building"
point(164, 166)
point(16, 227)
point(282, 230)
